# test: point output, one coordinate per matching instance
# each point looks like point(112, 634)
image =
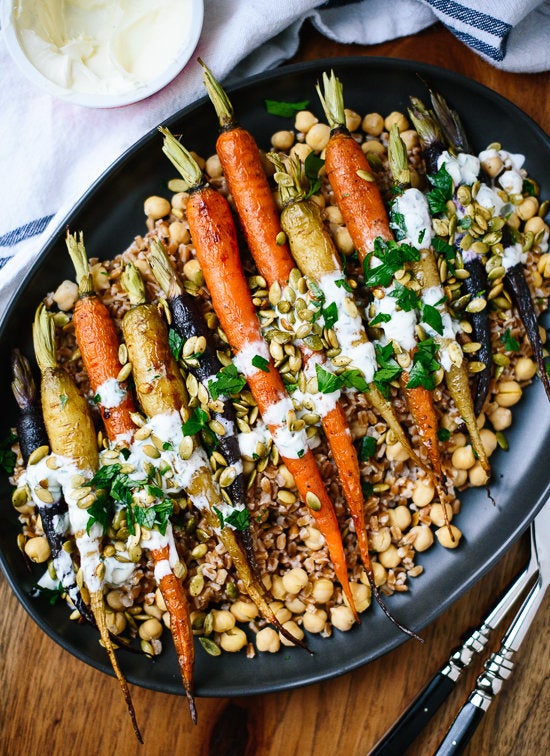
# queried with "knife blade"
point(500, 664)
point(439, 688)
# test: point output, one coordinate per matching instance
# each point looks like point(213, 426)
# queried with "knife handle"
point(415, 718)
point(461, 730)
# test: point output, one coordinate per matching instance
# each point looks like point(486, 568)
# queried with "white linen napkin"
point(51, 151)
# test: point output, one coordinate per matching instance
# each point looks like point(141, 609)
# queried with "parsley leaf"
point(382, 317)
point(284, 109)
point(261, 363)
point(157, 514)
point(432, 317)
point(227, 381)
point(367, 448)
point(424, 365)
point(197, 421)
point(388, 369)
point(175, 342)
point(510, 343)
point(8, 458)
point(330, 314)
point(327, 382)
point(354, 378)
point(443, 434)
point(443, 248)
point(101, 511)
point(406, 298)
point(51, 594)
point(312, 165)
point(392, 256)
point(343, 284)
point(238, 518)
point(442, 191)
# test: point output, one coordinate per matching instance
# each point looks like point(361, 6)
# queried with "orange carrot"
point(180, 626)
point(214, 237)
point(97, 340)
point(243, 169)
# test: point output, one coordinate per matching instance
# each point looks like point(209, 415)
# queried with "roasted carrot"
point(243, 169)
point(214, 236)
point(72, 437)
point(31, 434)
point(162, 394)
point(97, 340)
point(350, 175)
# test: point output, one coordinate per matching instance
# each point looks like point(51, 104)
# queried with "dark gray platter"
point(111, 214)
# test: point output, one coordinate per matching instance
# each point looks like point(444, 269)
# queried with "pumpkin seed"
point(209, 646)
point(313, 501)
point(151, 451)
point(38, 454)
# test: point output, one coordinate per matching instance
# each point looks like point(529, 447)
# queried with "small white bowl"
point(167, 46)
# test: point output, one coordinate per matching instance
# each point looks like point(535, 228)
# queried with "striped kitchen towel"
point(53, 151)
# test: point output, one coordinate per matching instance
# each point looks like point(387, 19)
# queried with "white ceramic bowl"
point(138, 59)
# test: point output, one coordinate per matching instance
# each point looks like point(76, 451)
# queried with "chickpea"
point(150, 629)
point(294, 630)
point(153, 611)
point(489, 440)
point(361, 596)
point(213, 167)
point(267, 581)
point(295, 605)
point(116, 622)
point(423, 537)
point(192, 271)
point(353, 119)
point(233, 640)
point(458, 440)
point(294, 580)
point(410, 138)
point(166, 619)
point(543, 265)
point(373, 124)
point(536, 225)
point(180, 200)
point(400, 517)
point(323, 588)
point(244, 611)
point(343, 241)
point(396, 118)
point(390, 557)
point(342, 617)
point(317, 137)
point(282, 140)
point(300, 151)
point(115, 599)
point(315, 621)
point(379, 540)
point(444, 537)
point(373, 145)
point(459, 477)
point(178, 233)
point(267, 640)
point(222, 620)
point(304, 120)
point(66, 295)
point(436, 514)
point(156, 207)
point(396, 452)
point(477, 475)
point(100, 277)
point(380, 574)
point(334, 215)
point(525, 369)
point(315, 539)
point(493, 165)
point(463, 458)
point(509, 393)
point(278, 590)
point(528, 208)
point(501, 418)
point(424, 491)
point(38, 549)
point(280, 611)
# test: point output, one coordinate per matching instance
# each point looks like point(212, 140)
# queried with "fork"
point(439, 688)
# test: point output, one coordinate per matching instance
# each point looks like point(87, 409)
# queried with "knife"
point(499, 665)
point(439, 688)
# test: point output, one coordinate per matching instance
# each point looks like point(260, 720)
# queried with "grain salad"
point(494, 213)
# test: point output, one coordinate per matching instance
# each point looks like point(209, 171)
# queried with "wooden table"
point(51, 703)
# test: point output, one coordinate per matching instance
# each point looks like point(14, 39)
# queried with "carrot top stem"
point(220, 100)
point(77, 251)
point(164, 271)
point(133, 284)
point(43, 332)
point(332, 100)
point(289, 178)
point(182, 159)
point(397, 158)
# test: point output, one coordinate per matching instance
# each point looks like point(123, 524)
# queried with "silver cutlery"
point(439, 688)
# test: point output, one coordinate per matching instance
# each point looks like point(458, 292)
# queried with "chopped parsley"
point(442, 191)
point(238, 518)
point(432, 317)
point(382, 317)
point(261, 363)
point(328, 382)
point(393, 256)
point(284, 109)
point(330, 314)
point(198, 420)
point(96, 399)
point(51, 594)
point(228, 381)
point(8, 458)
point(312, 165)
point(424, 366)
point(407, 299)
point(63, 399)
point(175, 342)
point(388, 369)
point(443, 434)
point(510, 343)
point(343, 284)
point(367, 448)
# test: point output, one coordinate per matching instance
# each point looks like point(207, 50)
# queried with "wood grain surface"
point(50, 703)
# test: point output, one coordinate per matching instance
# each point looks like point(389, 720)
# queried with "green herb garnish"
point(510, 343)
point(175, 342)
point(228, 381)
point(198, 420)
point(285, 109)
point(367, 448)
point(261, 363)
point(8, 458)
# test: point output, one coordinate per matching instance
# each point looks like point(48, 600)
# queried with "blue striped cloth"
point(53, 151)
